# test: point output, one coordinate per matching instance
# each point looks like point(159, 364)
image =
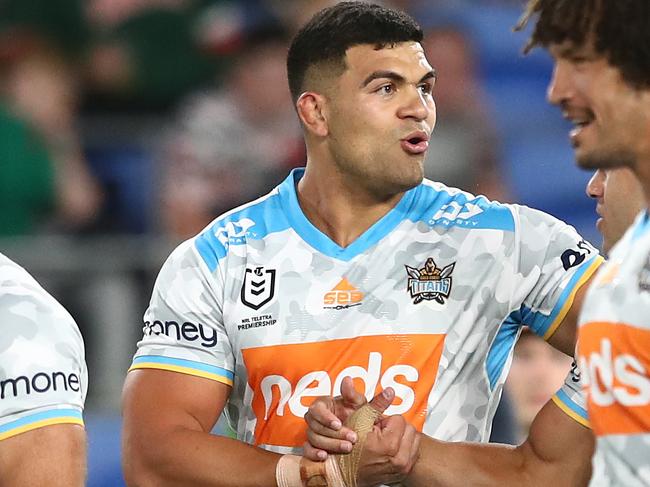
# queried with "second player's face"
point(381, 116)
point(619, 198)
point(611, 118)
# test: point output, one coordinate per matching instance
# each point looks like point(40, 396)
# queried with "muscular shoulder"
point(28, 311)
point(43, 376)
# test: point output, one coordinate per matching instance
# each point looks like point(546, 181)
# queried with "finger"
point(392, 425)
point(343, 433)
point(350, 395)
point(312, 453)
point(328, 444)
point(320, 412)
point(383, 400)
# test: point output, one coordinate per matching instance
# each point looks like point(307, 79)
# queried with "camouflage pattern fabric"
point(430, 301)
point(614, 356)
point(43, 375)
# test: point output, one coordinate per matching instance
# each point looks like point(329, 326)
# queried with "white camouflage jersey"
point(614, 356)
point(429, 301)
point(43, 376)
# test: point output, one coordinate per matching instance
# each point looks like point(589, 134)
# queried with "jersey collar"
point(321, 242)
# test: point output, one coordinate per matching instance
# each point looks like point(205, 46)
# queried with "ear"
point(312, 110)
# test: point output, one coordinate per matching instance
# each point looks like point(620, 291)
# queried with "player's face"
point(611, 118)
point(381, 116)
point(619, 199)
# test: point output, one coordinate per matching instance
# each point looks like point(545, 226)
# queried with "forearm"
point(188, 457)
point(442, 464)
point(556, 453)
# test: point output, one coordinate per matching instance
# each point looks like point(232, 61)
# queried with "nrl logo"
point(430, 283)
point(258, 288)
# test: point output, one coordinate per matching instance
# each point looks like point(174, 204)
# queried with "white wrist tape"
point(295, 471)
point(337, 470)
point(287, 471)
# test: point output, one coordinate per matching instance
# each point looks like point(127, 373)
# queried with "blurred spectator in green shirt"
point(44, 180)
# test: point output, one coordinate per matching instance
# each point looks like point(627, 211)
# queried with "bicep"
point(158, 402)
point(564, 337)
point(555, 266)
point(560, 446)
point(53, 455)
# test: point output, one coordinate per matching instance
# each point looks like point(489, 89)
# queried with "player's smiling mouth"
point(581, 121)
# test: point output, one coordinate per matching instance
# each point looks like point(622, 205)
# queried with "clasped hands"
point(390, 450)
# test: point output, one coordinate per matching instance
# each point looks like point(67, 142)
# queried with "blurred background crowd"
point(126, 126)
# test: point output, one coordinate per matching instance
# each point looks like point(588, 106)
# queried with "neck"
point(642, 173)
point(339, 207)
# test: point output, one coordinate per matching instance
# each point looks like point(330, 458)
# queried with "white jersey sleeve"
point(571, 398)
point(43, 375)
point(554, 262)
point(183, 326)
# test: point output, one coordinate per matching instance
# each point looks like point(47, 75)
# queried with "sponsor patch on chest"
point(285, 379)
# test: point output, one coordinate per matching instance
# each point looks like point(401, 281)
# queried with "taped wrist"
point(295, 471)
point(361, 422)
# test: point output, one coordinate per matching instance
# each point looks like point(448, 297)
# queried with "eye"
point(426, 88)
point(388, 89)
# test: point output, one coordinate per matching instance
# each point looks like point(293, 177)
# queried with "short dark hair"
point(332, 31)
point(618, 29)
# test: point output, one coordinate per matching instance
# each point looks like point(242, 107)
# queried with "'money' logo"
point(187, 331)
point(39, 383)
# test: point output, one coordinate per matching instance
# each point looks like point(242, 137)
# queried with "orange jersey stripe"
point(615, 361)
point(286, 379)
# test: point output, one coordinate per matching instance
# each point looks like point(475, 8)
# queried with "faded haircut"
point(324, 40)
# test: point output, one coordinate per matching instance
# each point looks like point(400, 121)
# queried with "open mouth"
point(580, 122)
point(416, 143)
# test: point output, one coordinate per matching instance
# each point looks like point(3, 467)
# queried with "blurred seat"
point(542, 173)
point(104, 467)
point(125, 173)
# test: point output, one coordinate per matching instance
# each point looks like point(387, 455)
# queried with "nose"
point(596, 185)
point(418, 106)
point(559, 88)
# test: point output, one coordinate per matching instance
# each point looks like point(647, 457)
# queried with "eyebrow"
point(395, 77)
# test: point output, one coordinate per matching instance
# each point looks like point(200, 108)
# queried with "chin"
point(410, 183)
point(397, 185)
point(417, 174)
point(604, 159)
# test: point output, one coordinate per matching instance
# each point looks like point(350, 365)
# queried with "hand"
point(325, 418)
point(390, 451)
